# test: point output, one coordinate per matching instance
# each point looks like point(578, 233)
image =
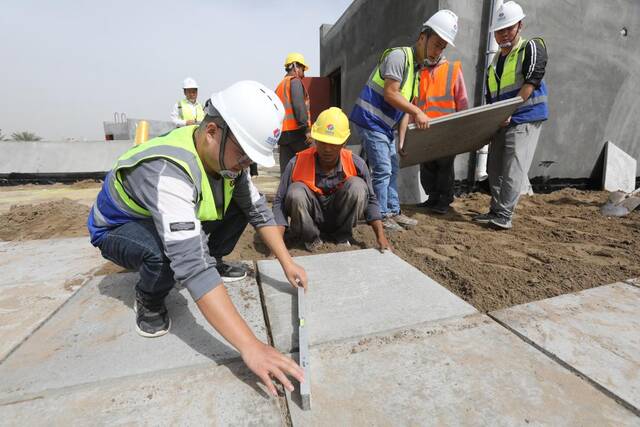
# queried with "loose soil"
point(560, 243)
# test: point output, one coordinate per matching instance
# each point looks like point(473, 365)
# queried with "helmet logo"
point(330, 129)
point(276, 133)
point(501, 15)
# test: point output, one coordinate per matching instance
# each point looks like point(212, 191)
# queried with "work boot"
point(484, 218)
point(501, 223)
point(314, 245)
point(440, 209)
point(229, 272)
point(152, 319)
point(405, 221)
point(390, 225)
point(430, 202)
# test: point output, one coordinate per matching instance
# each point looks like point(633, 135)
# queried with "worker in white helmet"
point(188, 111)
point(441, 91)
point(517, 70)
point(172, 207)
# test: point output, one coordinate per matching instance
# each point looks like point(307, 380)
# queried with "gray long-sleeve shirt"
point(326, 182)
point(166, 191)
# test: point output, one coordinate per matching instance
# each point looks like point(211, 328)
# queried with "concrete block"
point(351, 294)
point(464, 371)
point(596, 332)
point(93, 338)
point(456, 133)
point(33, 285)
point(203, 395)
point(619, 170)
point(409, 188)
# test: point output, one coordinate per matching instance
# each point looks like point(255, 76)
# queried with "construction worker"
point(517, 70)
point(325, 189)
point(297, 120)
point(188, 111)
point(383, 101)
point(441, 91)
point(172, 207)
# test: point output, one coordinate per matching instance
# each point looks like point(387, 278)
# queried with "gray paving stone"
point(456, 133)
point(597, 332)
point(635, 281)
point(203, 395)
point(619, 169)
point(465, 371)
point(354, 293)
point(53, 260)
point(36, 278)
point(93, 338)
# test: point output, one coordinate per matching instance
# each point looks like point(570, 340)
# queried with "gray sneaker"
point(390, 225)
point(484, 218)
point(405, 221)
point(313, 246)
point(501, 222)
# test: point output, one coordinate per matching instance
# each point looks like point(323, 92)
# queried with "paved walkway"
point(389, 346)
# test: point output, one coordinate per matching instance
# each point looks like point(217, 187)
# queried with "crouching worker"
point(173, 206)
point(325, 189)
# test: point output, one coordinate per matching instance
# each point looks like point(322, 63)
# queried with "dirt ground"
point(560, 243)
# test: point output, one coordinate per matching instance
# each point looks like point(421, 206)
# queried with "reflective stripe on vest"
point(178, 147)
point(371, 111)
point(186, 111)
point(436, 89)
point(284, 93)
point(304, 169)
point(508, 85)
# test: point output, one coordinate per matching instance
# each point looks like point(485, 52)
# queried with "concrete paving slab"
point(51, 260)
point(204, 395)
point(351, 294)
point(34, 284)
point(456, 133)
point(596, 332)
point(619, 169)
point(93, 337)
point(465, 371)
point(635, 281)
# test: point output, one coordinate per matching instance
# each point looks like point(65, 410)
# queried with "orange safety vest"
point(436, 90)
point(284, 93)
point(304, 170)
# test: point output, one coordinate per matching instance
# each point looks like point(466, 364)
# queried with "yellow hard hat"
point(296, 57)
point(332, 127)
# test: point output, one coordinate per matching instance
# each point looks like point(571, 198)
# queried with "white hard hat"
point(254, 114)
point(189, 83)
point(445, 23)
point(508, 14)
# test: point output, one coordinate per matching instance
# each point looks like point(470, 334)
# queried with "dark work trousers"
point(437, 177)
point(334, 215)
point(137, 246)
point(253, 169)
point(291, 142)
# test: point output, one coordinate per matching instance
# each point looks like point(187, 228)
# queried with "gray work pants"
point(334, 215)
point(510, 156)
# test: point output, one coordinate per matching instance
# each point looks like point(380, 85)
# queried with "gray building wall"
point(593, 75)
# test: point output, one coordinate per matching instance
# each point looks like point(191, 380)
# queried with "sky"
point(67, 66)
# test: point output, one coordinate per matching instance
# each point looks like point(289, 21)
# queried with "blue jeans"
point(137, 246)
point(383, 162)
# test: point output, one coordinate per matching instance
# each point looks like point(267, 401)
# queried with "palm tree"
point(25, 136)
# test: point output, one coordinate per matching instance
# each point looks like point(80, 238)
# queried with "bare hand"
point(421, 120)
point(191, 122)
point(506, 122)
point(296, 275)
point(308, 140)
point(402, 152)
point(384, 245)
point(267, 362)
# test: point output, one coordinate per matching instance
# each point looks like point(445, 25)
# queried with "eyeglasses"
point(243, 158)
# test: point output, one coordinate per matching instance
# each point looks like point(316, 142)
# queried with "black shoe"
point(152, 320)
point(429, 203)
point(230, 273)
point(440, 209)
point(501, 223)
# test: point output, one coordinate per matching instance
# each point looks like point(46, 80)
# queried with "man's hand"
point(421, 120)
point(190, 122)
point(267, 362)
point(383, 244)
point(506, 122)
point(295, 275)
point(308, 140)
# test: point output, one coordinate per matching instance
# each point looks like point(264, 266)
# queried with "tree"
point(25, 136)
